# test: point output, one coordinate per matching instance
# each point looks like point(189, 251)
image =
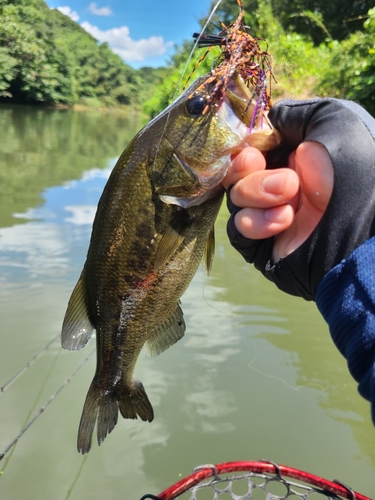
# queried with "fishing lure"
point(242, 54)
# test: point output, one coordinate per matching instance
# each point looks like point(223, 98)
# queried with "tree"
point(339, 17)
point(351, 72)
point(45, 57)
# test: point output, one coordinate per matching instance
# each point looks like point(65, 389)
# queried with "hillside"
point(45, 57)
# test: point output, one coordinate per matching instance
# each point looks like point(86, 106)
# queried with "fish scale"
point(153, 225)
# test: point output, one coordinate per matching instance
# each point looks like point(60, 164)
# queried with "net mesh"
point(255, 486)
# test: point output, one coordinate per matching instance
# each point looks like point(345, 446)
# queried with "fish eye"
point(196, 105)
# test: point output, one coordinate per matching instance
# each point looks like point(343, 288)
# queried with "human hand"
point(287, 202)
point(309, 203)
point(305, 216)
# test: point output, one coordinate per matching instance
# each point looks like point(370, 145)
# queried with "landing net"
point(260, 480)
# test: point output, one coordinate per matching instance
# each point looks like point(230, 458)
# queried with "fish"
point(153, 226)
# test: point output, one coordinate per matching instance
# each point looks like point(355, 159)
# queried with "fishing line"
point(45, 406)
point(185, 70)
point(46, 378)
point(195, 45)
point(28, 364)
point(295, 388)
point(206, 285)
point(70, 490)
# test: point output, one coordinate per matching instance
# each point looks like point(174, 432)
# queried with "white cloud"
point(99, 11)
point(121, 43)
point(69, 12)
point(81, 214)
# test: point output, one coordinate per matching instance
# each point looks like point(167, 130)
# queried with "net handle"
point(207, 471)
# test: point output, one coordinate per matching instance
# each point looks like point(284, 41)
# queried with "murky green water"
point(256, 375)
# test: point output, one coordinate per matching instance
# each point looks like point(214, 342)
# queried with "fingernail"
point(275, 183)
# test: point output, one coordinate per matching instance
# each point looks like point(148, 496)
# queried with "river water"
point(255, 377)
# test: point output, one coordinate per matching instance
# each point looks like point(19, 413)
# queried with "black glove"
point(347, 131)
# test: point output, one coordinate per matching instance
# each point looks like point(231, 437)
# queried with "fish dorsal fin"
point(209, 251)
point(168, 333)
point(77, 327)
point(172, 239)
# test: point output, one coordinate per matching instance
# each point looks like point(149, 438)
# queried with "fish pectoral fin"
point(209, 251)
point(168, 333)
point(168, 245)
point(77, 327)
point(172, 239)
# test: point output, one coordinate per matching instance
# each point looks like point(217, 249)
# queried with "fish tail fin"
point(133, 401)
point(101, 407)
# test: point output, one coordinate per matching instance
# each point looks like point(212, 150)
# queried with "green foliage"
point(339, 17)
point(298, 64)
point(7, 71)
point(48, 58)
point(151, 79)
point(295, 57)
point(319, 47)
point(343, 68)
point(178, 77)
point(314, 19)
point(351, 73)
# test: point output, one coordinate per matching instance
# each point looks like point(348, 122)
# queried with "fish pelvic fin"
point(77, 327)
point(101, 408)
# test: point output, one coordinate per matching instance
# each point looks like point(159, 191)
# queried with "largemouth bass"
point(153, 224)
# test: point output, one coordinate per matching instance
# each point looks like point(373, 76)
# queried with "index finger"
point(247, 161)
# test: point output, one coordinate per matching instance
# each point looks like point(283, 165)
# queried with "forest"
point(47, 58)
point(319, 48)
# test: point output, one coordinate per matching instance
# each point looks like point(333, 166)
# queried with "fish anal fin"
point(168, 333)
point(133, 402)
point(209, 251)
point(77, 327)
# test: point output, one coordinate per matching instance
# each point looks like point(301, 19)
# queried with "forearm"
point(346, 299)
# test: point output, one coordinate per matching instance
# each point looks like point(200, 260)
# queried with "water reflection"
point(256, 375)
point(41, 148)
point(58, 229)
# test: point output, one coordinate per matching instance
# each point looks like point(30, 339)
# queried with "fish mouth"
point(250, 111)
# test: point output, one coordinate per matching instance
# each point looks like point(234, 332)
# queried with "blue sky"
point(142, 32)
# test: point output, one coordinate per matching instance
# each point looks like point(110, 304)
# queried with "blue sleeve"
point(346, 299)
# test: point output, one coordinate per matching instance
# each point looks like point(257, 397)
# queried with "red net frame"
point(269, 470)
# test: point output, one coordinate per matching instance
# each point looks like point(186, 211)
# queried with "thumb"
point(315, 171)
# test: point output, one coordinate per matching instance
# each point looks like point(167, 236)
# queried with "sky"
point(142, 32)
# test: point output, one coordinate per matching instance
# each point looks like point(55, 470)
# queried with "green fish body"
point(153, 225)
